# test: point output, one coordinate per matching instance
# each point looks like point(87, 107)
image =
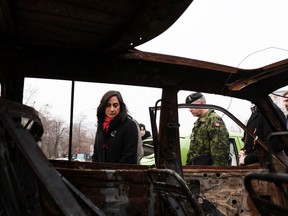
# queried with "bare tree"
point(53, 139)
point(80, 139)
point(29, 96)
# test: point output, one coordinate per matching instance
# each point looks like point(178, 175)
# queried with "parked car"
point(235, 141)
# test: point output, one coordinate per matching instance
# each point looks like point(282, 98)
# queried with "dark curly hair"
point(123, 114)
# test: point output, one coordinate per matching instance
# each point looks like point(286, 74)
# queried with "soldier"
point(209, 139)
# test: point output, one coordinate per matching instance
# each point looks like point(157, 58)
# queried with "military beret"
point(193, 97)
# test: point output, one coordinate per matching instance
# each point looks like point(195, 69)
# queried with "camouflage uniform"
point(209, 138)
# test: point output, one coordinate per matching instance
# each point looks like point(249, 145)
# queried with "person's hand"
point(242, 155)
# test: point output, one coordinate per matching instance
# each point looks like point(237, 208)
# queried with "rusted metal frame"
point(159, 179)
point(215, 107)
point(264, 206)
point(265, 73)
point(46, 174)
point(163, 181)
point(12, 85)
point(7, 27)
point(155, 135)
point(230, 115)
point(169, 145)
point(12, 198)
point(82, 198)
point(71, 120)
point(153, 111)
point(134, 54)
point(228, 179)
point(17, 110)
point(236, 120)
point(20, 186)
point(265, 105)
point(121, 71)
point(162, 178)
point(240, 124)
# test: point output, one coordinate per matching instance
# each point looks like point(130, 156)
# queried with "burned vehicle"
point(94, 41)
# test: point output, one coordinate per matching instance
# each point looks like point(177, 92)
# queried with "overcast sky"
point(238, 33)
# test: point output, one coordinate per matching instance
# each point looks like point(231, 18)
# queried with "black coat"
point(121, 140)
point(258, 124)
point(146, 135)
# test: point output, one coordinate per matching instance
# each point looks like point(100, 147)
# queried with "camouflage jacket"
point(209, 138)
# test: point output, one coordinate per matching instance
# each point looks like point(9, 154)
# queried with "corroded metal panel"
point(131, 190)
point(224, 188)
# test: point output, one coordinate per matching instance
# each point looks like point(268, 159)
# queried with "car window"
point(52, 99)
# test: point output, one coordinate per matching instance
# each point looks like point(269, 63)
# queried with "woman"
point(117, 133)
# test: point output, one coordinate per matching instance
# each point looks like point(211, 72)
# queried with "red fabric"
point(106, 124)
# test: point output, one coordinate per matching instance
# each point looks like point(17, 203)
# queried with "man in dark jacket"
point(144, 133)
point(258, 125)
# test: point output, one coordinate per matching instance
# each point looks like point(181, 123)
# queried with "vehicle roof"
point(85, 26)
point(95, 41)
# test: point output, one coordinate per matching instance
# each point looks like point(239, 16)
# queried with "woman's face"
point(112, 107)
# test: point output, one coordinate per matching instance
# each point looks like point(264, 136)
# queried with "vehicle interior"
point(88, 42)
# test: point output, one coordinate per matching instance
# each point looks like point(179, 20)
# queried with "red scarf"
point(106, 124)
